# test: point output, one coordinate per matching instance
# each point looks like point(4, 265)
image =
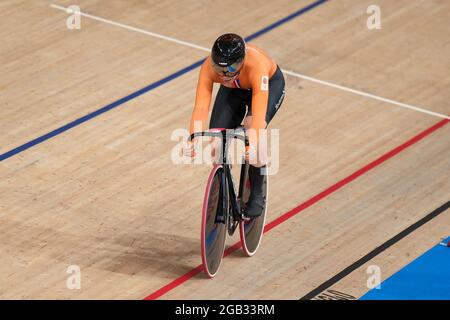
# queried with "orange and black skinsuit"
point(257, 91)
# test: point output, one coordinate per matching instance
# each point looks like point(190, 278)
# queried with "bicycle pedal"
point(243, 217)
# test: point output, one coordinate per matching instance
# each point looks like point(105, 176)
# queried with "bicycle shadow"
point(153, 252)
point(145, 253)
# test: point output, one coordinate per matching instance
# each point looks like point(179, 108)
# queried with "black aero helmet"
point(228, 54)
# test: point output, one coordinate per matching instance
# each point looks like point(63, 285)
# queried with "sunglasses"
point(228, 71)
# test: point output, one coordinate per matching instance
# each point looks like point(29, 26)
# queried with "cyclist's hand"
point(189, 149)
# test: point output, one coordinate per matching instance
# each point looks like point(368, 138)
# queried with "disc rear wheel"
point(251, 231)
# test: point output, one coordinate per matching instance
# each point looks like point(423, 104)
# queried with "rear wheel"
point(251, 231)
point(214, 226)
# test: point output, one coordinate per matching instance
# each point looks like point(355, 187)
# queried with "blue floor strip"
point(426, 278)
point(148, 88)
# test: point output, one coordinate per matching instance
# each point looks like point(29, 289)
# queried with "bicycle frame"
point(226, 177)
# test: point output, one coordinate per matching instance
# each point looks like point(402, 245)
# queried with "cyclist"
point(251, 87)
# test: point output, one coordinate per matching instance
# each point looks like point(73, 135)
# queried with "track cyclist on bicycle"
point(251, 87)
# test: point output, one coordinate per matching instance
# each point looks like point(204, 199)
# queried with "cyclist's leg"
point(228, 111)
point(256, 203)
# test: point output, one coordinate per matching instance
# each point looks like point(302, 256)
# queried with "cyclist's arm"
point(202, 99)
point(260, 98)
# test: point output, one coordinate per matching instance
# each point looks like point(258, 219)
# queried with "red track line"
point(177, 282)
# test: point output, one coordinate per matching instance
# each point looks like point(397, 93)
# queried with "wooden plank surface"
point(106, 196)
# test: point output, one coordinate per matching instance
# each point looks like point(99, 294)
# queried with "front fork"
point(227, 197)
point(235, 207)
point(227, 191)
point(222, 208)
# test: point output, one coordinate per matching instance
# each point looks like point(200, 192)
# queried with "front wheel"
point(251, 231)
point(214, 226)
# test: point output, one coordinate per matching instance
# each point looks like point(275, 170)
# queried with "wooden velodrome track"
point(103, 194)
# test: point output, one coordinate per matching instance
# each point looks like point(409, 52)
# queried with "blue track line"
point(284, 20)
point(148, 88)
point(99, 111)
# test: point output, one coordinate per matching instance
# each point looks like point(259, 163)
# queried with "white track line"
point(365, 94)
point(121, 25)
point(291, 73)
